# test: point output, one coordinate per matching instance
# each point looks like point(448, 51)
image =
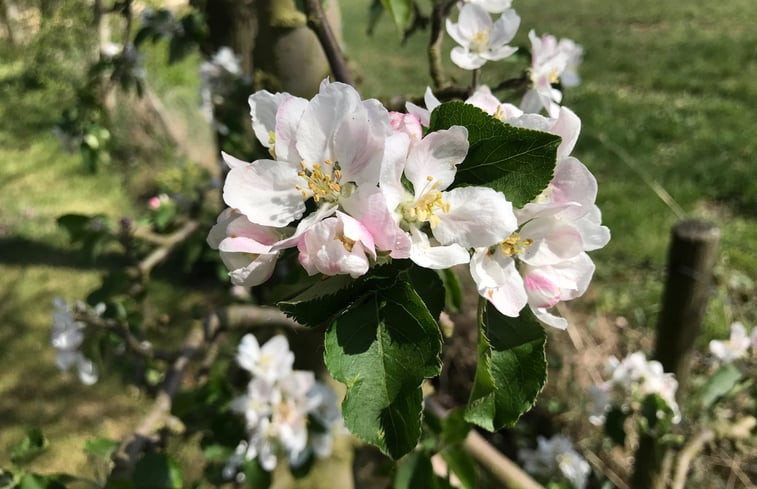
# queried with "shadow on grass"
point(25, 252)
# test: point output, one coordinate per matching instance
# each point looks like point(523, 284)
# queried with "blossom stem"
point(474, 80)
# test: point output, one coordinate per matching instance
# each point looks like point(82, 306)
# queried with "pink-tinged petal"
point(542, 290)
point(243, 245)
point(304, 225)
point(368, 205)
point(355, 231)
point(553, 241)
point(568, 127)
point(287, 119)
point(436, 157)
point(319, 121)
point(263, 108)
point(264, 191)
point(484, 100)
point(477, 217)
point(410, 124)
point(498, 281)
point(593, 234)
point(430, 99)
point(465, 59)
point(231, 161)
point(359, 143)
point(218, 231)
point(573, 182)
point(548, 318)
point(395, 154)
point(249, 270)
point(426, 255)
point(423, 115)
point(324, 249)
point(531, 102)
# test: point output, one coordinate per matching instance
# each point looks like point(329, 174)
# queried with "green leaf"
point(719, 384)
point(454, 428)
point(453, 289)
point(157, 471)
point(615, 426)
point(415, 471)
point(32, 445)
point(36, 481)
point(429, 286)
point(329, 297)
point(381, 349)
point(515, 161)
point(101, 447)
point(462, 465)
point(401, 12)
point(511, 370)
point(256, 477)
point(375, 12)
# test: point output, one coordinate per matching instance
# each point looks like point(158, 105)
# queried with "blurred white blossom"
point(67, 337)
point(556, 458)
point(737, 346)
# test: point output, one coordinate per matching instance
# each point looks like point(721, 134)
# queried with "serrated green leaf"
point(719, 384)
point(381, 349)
point(462, 465)
point(326, 299)
point(32, 445)
point(515, 161)
point(157, 471)
point(429, 286)
point(401, 12)
point(101, 447)
point(511, 370)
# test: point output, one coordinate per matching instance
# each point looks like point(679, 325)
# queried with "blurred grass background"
point(668, 98)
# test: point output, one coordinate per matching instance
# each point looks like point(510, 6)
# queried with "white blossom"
point(67, 337)
point(556, 458)
point(735, 347)
point(480, 39)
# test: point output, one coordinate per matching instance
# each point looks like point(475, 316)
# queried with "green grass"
point(668, 96)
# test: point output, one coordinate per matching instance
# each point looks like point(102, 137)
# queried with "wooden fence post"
point(691, 258)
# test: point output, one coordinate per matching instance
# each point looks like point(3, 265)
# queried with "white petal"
point(392, 166)
point(359, 143)
point(498, 281)
point(264, 191)
point(472, 20)
point(248, 352)
point(549, 319)
point(453, 29)
point(433, 161)
point(496, 54)
point(465, 59)
point(233, 162)
point(478, 217)
point(287, 119)
point(87, 371)
point(257, 271)
point(504, 29)
point(436, 257)
point(263, 107)
point(368, 205)
point(554, 241)
point(568, 127)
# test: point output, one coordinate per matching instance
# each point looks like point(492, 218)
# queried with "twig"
point(687, 455)
point(140, 347)
point(512, 83)
point(160, 254)
point(319, 24)
point(491, 459)
point(438, 15)
point(201, 338)
point(605, 469)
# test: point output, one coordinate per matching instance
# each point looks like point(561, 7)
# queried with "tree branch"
point(438, 15)
point(319, 24)
point(140, 347)
point(500, 467)
point(160, 254)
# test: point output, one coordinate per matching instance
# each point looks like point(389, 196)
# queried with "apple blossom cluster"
point(556, 458)
point(287, 412)
point(68, 336)
point(631, 381)
point(736, 346)
point(481, 39)
point(544, 259)
point(351, 185)
point(218, 76)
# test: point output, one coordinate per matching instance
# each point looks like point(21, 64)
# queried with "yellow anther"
point(423, 210)
point(346, 242)
point(430, 178)
point(322, 185)
point(514, 245)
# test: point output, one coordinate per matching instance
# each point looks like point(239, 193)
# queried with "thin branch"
point(319, 24)
point(140, 347)
point(689, 451)
point(161, 253)
point(438, 15)
point(512, 83)
point(500, 467)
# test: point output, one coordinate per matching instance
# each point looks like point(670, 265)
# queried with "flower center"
point(423, 210)
point(346, 242)
point(480, 41)
point(323, 185)
point(514, 245)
